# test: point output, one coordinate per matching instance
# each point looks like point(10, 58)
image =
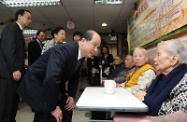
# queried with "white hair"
point(141, 48)
point(176, 47)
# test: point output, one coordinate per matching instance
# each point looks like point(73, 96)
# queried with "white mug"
point(109, 86)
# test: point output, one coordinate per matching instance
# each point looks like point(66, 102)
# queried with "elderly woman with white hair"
point(143, 74)
point(168, 92)
point(166, 97)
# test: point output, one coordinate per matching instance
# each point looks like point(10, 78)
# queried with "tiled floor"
point(25, 114)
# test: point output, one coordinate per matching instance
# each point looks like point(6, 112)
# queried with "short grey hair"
point(176, 47)
point(141, 48)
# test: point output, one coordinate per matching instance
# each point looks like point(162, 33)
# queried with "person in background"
point(35, 47)
point(106, 61)
point(119, 66)
point(43, 88)
point(12, 56)
point(129, 67)
point(93, 71)
point(167, 94)
point(58, 35)
point(77, 36)
point(142, 76)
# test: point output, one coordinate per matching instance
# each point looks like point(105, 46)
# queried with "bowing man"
point(42, 87)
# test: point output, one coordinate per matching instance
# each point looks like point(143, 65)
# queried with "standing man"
point(35, 47)
point(43, 88)
point(12, 56)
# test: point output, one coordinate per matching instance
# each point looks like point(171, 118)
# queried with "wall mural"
point(153, 19)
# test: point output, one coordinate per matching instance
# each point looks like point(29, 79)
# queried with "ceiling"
point(84, 13)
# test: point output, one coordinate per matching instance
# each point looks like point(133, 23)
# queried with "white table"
point(94, 99)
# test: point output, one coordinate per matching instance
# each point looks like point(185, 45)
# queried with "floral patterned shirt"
point(177, 99)
point(48, 44)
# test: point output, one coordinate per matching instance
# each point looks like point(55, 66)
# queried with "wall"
point(152, 51)
point(118, 47)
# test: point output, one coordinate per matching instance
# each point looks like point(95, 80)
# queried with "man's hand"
point(57, 113)
point(16, 75)
point(70, 103)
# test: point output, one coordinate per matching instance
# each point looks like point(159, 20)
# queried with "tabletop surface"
point(94, 99)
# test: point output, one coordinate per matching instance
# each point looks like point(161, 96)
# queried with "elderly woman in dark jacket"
point(166, 97)
point(168, 92)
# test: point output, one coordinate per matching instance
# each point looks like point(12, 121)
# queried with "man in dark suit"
point(12, 56)
point(43, 88)
point(35, 47)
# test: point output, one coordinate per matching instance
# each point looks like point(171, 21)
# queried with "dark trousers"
point(98, 115)
point(47, 117)
point(43, 117)
point(9, 100)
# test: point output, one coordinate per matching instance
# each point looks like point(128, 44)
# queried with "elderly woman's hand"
point(140, 95)
point(118, 85)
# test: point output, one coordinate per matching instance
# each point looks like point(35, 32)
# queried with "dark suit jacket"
point(45, 78)
point(12, 51)
point(92, 63)
point(34, 51)
point(116, 71)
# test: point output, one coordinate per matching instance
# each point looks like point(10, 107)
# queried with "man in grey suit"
point(12, 56)
point(43, 88)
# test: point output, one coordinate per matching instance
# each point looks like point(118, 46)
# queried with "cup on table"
point(109, 86)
